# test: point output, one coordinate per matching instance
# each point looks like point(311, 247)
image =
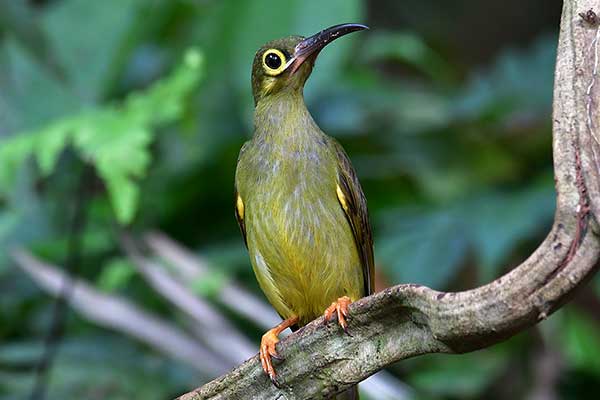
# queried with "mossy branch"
point(408, 320)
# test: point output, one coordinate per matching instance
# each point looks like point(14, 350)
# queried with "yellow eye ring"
point(274, 62)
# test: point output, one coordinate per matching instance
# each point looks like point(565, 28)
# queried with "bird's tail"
point(350, 394)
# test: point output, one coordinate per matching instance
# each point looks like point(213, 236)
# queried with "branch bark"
point(409, 320)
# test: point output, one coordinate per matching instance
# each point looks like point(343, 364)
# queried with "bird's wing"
point(354, 204)
point(239, 215)
point(239, 202)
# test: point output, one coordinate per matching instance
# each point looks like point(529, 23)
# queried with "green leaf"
point(50, 143)
point(581, 342)
point(410, 49)
point(98, 41)
point(426, 247)
point(210, 284)
point(455, 375)
point(116, 273)
point(20, 353)
point(422, 248)
point(519, 81)
point(501, 221)
point(124, 194)
point(126, 371)
point(30, 95)
point(114, 138)
point(12, 154)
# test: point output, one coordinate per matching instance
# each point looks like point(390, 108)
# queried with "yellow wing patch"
point(239, 205)
point(239, 215)
point(341, 197)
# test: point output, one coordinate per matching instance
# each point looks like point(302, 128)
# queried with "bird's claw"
point(267, 348)
point(268, 351)
point(339, 307)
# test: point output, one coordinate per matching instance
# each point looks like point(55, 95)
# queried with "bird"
point(298, 202)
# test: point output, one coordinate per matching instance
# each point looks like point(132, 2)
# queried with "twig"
point(231, 295)
point(216, 332)
point(119, 314)
point(547, 370)
point(60, 309)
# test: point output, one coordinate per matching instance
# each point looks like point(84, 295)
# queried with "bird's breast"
point(301, 245)
point(293, 199)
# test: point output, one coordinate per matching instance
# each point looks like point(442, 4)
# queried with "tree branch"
point(192, 268)
point(120, 314)
point(214, 329)
point(409, 320)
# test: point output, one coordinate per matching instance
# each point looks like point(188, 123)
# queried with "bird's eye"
point(274, 62)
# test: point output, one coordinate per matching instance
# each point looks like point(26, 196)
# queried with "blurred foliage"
point(147, 376)
point(455, 160)
point(113, 139)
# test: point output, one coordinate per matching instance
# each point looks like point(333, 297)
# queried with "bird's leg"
point(267, 346)
point(339, 307)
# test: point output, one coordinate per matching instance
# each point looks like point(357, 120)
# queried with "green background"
point(142, 106)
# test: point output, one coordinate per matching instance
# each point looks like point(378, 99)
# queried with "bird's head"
point(285, 64)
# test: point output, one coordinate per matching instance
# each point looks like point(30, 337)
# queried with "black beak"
point(314, 44)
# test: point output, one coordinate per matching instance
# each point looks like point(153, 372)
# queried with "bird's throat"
point(283, 118)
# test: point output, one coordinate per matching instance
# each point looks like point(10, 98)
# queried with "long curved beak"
point(314, 44)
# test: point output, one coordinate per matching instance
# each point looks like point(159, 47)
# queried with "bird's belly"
point(302, 250)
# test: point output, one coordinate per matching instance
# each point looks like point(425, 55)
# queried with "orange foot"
point(341, 308)
point(267, 346)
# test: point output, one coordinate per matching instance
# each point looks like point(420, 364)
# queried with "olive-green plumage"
point(299, 204)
